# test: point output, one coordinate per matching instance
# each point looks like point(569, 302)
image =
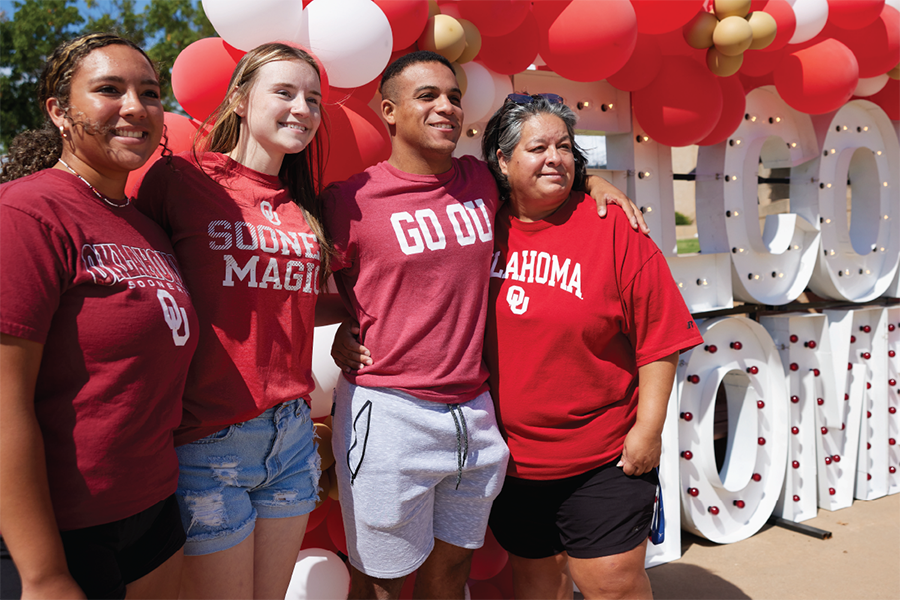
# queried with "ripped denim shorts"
point(266, 468)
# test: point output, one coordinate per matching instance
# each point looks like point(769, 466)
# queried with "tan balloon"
point(433, 8)
point(461, 78)
point(764, 29)
point(732, 36)
point(698, 33)
point(721, 64)
point(326, 455)
point(894, 73)
point(473, 41)
point(732, 8)
point(443, 34)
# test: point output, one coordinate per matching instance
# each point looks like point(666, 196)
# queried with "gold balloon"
point(698, 33)
point(722, 64)
point(433, 8)
point(461, 78)
point(764, 29)
point(326, 455)
point(894, 73)
point(443, 34)
point(473, 41)
point(732, 36)
point(731, 8)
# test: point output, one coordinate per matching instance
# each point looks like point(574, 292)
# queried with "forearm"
point(655, 387)
point(330, 310)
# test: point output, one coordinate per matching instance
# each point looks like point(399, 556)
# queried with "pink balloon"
point(494, 17)
point(407, 19)
point(660, 16)
point(876, 46)
point(514, 52)
point(682, 105)
point(641, 68)
point(853, 14)
point(734, 102)
point(818, 79)
point(589, 40)
point(201, 74)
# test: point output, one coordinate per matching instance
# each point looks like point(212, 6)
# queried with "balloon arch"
point(806, 85)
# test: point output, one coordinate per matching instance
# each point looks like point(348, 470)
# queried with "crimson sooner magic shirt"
point(99, 287)
point(577, 304)
point(414, 253)
point(252, 265)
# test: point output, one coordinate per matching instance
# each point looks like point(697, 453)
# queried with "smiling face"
point(541, 169)
point(423, 108)
point(114, 118)
point(279, 116)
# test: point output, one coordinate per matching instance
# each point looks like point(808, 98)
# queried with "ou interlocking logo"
point(175, 317)
point(268, 213)
point(517, 300)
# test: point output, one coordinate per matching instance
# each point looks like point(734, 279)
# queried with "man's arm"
point(603, 192)
point(643, 444)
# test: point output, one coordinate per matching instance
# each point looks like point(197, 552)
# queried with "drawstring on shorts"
point(462, 440)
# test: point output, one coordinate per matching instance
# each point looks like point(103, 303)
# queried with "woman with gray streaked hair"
point(580, 308)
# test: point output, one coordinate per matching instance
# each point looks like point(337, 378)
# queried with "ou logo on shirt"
point(517, 300)
point(175, 316)
point(269, 213)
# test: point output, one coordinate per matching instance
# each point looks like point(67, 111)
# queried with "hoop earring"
point(62, 132)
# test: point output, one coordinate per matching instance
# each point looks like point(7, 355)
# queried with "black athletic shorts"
point(104, 558)
point(598, 513)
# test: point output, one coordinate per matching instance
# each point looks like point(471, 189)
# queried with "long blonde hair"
point(300, 173)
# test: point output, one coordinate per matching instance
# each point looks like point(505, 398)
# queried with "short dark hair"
point(413, 58)
point(504, 130)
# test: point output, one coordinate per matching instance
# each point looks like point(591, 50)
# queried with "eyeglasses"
point(523, 99)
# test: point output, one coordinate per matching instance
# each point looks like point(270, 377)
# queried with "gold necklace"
point(93, 189)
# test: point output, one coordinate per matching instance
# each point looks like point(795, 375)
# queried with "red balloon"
point(504, 581)
point(757, 63)
point(674, 44)
point(494, 17)
point(876, 46)
point(334, 522)
point(318, 515)
point(514, 52)
point(406, 592)
point(318, 538)
point(364, 92)
point(355, 139)
point(489, 560)
point(407, 19)
point(682, 105)
point(888, 99)
point(785, 21)
point(179, 137)
point(758, 5)
point(201, 74)
point(641, 68)
point(484, 590)
point(660, 16)
point(751, 83)
point(818, 79)
point(734, 101)
point(853, 14)
point(588, 41)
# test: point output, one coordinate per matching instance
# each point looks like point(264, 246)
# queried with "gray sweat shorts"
point(410, 471)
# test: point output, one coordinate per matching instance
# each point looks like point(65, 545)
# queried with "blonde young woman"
point(244, 221)
point(97, 332)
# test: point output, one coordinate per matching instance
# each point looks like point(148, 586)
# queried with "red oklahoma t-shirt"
point(578, 303)
point(413, 269)
point(100, 289)
point(252, 265)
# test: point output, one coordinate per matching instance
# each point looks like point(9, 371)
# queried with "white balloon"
point(894, 3)
point(470, 145)
point(811, 17)
point(870, 85)
point(503, 87)
point(480, 92)
point(352, 38)
point(318, 575)
point(325, 372)
point(246, 25)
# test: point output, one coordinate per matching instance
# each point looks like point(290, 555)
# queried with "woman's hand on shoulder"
point(641, 451)
point(347, 352)
point(603, 193)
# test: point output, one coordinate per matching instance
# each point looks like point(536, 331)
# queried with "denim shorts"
point(266, 468)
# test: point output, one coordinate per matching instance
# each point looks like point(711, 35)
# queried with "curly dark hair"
point(32, 151)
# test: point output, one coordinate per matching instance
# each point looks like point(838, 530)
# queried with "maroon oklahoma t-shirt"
point(99, 287)
point(415, 253)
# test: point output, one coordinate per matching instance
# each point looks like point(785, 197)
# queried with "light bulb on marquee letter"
point(775, 266)
point(746, 489)
point(863, 253)
point(893, 315)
